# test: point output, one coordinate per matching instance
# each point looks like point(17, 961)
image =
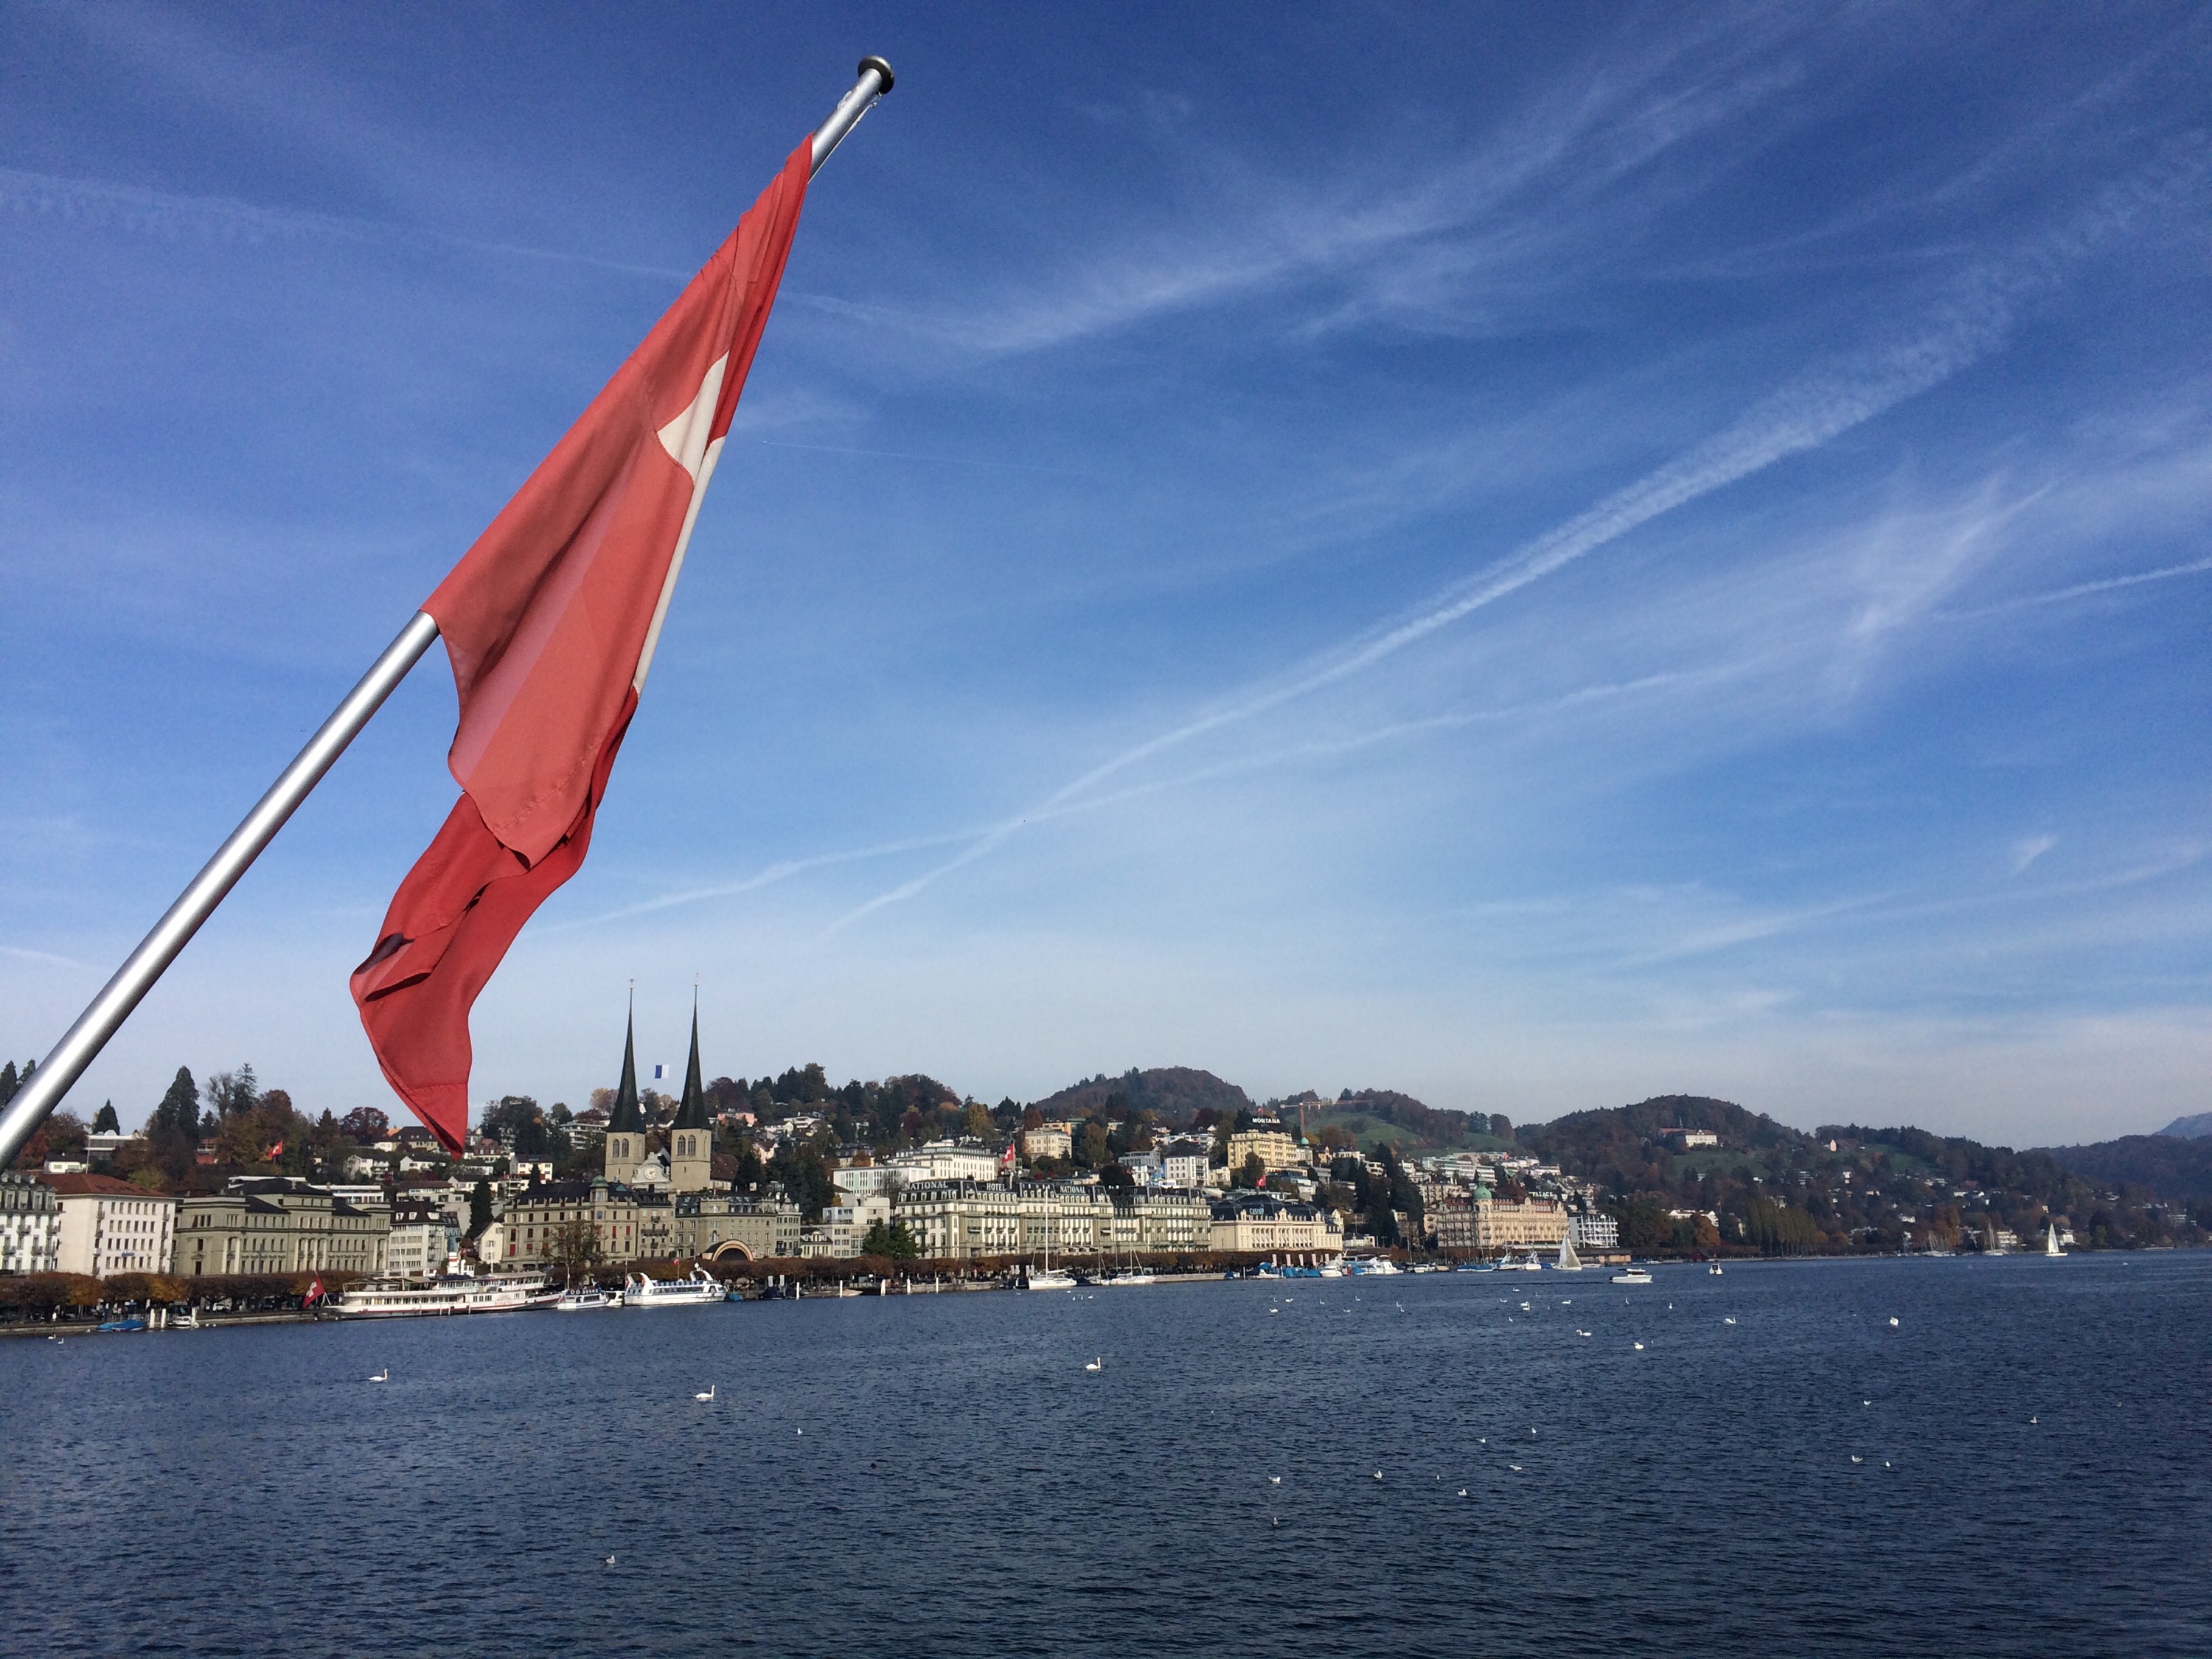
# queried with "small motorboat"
point(1632, 1276)
point(587, 1300)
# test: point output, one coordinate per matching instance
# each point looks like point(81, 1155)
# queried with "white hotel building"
point(110, 1226)
point(30, 1226)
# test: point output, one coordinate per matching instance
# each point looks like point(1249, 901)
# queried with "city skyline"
point(1537, 560)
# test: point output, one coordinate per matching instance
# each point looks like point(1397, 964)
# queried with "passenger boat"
point(696, 1291)
point(587, 1300)
point(456, 1290)
point(1632, 1276)
point(1376, 1267)
point(1140, 1277)
point(1530, 1264)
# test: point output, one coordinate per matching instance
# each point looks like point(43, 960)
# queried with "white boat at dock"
point(701, 1288)
point(456, 1290)
point(1047, 1278)
point(590, 1299)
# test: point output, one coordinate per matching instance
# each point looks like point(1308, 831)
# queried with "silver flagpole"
point(99, 1021)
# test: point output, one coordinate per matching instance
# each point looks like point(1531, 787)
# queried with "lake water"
point(2022, 1466)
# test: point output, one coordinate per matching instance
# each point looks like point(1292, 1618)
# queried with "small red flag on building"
point(551, 621)
point(314, 1293)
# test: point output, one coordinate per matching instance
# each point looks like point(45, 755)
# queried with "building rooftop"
point(80, 1186)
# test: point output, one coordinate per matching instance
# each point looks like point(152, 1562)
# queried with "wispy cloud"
point(1800, 417)
point(1972, 319)
point(95, 205)
point(1410, 241)
point(23, 953)
point(2029, 849)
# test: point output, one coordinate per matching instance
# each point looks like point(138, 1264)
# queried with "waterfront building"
point(961, 1219)
point(715, 1225)
point(424, 1234)
point(531, 1229)
point(110, 1226)
point(30, 1226)
point(1452, 1213)
point(1594, 1230)
point(958, 1220)
point(277, 1224)
point(1519, 1223)
point(1257, 1222)
point(1268, 1141)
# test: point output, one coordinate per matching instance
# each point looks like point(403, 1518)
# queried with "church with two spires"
point(648, 1202)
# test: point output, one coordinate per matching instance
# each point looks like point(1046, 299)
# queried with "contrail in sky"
point(1800, 417)
point(1971, 322)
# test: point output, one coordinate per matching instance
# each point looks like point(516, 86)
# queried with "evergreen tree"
point(479, 1209)
point(105, 1123)
point(173, 1131)
point(179, 1110)
point(7, 1083)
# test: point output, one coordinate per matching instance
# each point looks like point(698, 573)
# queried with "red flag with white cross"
point(551, 621)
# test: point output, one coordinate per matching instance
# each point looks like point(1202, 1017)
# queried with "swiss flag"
point(314, 1293)
point(551, 621)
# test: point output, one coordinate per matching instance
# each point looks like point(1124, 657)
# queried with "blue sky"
point(1533, 555)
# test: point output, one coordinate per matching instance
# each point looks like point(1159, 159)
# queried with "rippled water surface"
point(1407, 1466)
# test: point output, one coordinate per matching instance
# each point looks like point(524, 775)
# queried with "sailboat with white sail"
point(1569, 1262)
point(2050, 1240)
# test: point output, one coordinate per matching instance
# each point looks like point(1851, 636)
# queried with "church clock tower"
point(625, 1142)
point(691, 1137)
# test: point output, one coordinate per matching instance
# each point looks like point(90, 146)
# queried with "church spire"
point(626, 1118)
point(692, 1115)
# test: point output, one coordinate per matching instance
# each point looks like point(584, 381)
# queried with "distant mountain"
point(2164, 1166)
point(1171, 1093)
point(2189, 1129)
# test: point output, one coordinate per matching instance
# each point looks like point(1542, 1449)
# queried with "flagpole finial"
point(874, 81)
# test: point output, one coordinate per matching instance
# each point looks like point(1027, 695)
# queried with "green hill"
point(1171, 1093)
point(2158, 1165)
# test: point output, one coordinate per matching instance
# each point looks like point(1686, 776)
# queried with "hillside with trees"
point(2159, 1166)
point(1174, 1095)
point(1842, 1186)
